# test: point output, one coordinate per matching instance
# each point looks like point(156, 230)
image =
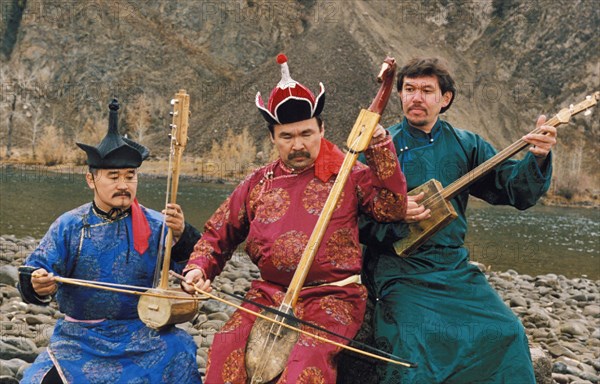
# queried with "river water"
point(564, 241)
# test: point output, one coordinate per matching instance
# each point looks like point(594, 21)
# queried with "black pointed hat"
point(115, 151)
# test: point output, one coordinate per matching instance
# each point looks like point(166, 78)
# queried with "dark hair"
point(271, 127)
point(429, 66)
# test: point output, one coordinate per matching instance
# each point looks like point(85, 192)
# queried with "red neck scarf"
point(141, 228)
point(329, 161)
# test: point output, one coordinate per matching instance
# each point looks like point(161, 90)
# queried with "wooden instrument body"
point(280, 342)
point(442, 213)
point(158, 312)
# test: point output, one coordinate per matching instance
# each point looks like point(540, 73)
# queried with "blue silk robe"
point(434, 308)
point(119, 349)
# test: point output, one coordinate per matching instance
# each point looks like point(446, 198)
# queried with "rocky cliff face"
point(513, 60)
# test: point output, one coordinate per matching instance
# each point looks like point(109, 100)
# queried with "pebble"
point(560, 316)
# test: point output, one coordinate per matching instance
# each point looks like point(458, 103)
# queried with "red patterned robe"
point(275, 211)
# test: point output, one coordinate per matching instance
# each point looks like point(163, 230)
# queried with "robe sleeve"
point(518, 183)
point(223, 232)
point(382, 186)
point(185, 245)
point(51, 254)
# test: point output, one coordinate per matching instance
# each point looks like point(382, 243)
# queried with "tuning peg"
point(174, 101)
point(172, 126)
point(587, 113)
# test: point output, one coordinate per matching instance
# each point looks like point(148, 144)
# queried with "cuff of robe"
point(26, 288)
point(185, 245)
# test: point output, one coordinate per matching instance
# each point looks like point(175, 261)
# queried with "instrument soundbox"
point(158, 312)
point(438, 198)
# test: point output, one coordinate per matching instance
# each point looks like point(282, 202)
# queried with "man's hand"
point(195, 278)
point(43, 283)
point(174, 220)
point(379, 134)
point(541, 143)
point(414, 211)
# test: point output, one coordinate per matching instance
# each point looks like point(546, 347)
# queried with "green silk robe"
point(434, 308)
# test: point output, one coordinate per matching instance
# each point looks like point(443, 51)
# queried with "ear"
point(89, 179)
point(272, 137)
point(400, 97)
point(447, 97)
point(322, 129)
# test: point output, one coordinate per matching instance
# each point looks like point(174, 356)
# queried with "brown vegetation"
point(66, 60)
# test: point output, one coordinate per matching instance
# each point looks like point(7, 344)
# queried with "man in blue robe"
point(113, 239)
point(433, 307)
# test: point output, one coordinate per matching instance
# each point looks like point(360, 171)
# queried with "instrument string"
point(161, 250)
point(472, 175)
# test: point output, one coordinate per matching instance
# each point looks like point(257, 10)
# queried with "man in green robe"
point(434, 308)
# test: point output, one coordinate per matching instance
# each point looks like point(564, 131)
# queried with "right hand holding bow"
point(43, 283)
point(195, 278)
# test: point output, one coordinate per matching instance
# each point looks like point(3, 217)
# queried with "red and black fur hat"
point(290, 101)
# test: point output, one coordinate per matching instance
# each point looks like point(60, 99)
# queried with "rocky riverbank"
point(561, 317)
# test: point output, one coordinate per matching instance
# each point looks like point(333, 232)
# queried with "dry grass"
point(231, 158)
point(52, 149)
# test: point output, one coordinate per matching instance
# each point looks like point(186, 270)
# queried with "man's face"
point(422, 101)
point(298, 143)
point(113, 188)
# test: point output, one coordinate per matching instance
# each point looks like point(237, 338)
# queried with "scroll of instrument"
point(269, 345)
point(438, 199)
point(157, 312)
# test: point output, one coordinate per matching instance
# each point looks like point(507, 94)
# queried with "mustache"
point(122, 194)
point(294, 155)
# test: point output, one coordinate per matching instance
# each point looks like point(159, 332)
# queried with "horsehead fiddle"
point(270, 343)
point(157, 312)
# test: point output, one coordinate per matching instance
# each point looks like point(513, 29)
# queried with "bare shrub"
point(234, 155)
point(567, 172)
point(52, 148)
point(138, 118)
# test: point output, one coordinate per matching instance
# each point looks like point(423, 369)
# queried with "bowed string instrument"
point(157, 312)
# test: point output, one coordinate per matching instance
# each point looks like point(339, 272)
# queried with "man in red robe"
point(275, 211)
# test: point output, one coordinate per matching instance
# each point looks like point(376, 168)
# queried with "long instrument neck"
point(472, 176)
point(358, 141)
point(317, 235)
point(179, 128)
point(164, 274)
